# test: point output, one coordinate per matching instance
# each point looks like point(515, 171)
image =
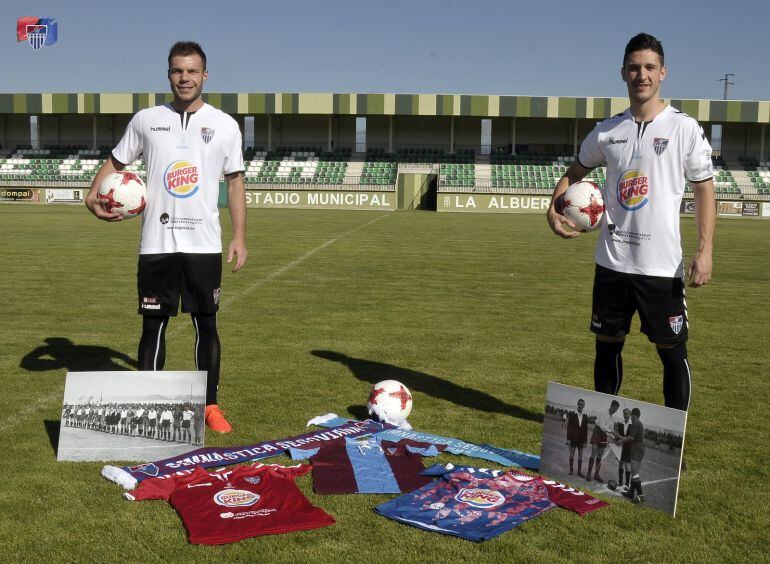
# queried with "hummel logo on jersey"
point(166, 128)
point(659, 144)
point(613, 141)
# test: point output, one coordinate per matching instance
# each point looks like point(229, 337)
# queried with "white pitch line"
point(42, 403)
point(37, 405)
point(276, 273)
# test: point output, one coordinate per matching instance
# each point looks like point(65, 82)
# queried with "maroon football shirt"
point(230, 505)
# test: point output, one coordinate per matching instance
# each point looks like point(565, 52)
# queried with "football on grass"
point(124, 193)
point(612, 484)
point(583, 204)
point(390, 401)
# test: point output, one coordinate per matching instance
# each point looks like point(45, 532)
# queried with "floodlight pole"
point(727, 82)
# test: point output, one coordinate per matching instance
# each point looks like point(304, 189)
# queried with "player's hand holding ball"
point(582, 205)
point(121, 195)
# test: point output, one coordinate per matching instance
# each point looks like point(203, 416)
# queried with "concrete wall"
point(742, 139)
point(14, 131)
point(411, 131)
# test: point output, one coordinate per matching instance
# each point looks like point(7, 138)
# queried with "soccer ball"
point(612, 484)
point(583, 204)
point(124, 193)
point(390, 401)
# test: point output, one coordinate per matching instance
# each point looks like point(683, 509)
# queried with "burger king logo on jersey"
point(181, 179)
point(236, 498)
point(633, 188)
point(481, 498)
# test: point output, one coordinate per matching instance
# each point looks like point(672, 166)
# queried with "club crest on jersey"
point(181, 179)
point(659, 144)
point(480, 497)
point(236, 498)
point(207, 134)
point(676, 322)
point(633, 189)
point(150, 469)
point(253, 479)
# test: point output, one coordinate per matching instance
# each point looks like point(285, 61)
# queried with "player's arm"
point(705, 220)
point(92, 202)
point(575, 173)
point(236, 202)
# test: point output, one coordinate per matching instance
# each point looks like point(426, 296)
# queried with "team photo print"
point(137, 416)
point(614, 446)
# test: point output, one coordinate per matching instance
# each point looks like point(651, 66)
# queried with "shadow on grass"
point(53, 428)
point(373, 372)
point(60, 352)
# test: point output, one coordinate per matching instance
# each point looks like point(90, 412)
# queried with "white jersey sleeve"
point(697, 160)
point(132, 143)
point(234, 153)
point(591, 154)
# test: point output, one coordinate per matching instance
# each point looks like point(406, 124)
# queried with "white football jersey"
point(185, 154)
point(647, 164)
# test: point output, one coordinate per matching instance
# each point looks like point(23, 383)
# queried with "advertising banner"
point(64, 196)
point(322, 199)
point(19, 195)
point(492, 203)
point(750, 209)
point(687, 207)
point(730, 209)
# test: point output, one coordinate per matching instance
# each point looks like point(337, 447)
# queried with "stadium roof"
point(353, 104)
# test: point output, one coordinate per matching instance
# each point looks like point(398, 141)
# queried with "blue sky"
point(483, 47)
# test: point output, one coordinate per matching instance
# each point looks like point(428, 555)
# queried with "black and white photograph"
point(613, 446)
point(131, 416)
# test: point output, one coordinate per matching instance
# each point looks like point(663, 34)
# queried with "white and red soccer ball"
point(582, 203)
point(390, 402)
point(123, 193)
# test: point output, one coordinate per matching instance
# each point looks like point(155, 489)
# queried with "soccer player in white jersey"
point(186, 145)
point(648, 150)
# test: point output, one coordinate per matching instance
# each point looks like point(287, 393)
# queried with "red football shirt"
point(230, 505)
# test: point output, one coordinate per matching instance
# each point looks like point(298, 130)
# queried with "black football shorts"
point(162, 278)
point(659, 300)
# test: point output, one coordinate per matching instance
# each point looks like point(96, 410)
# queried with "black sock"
point(208, 352)
point(608, 367)
point(571, 464)
point(620, 475)
point(628, 477)
point(152, 345)
point(590, 466)
point(676, 376)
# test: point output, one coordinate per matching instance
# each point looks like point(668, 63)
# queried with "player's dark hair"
point(642, 42)
point(636, 412)
point(185, 49)
point(614, 403)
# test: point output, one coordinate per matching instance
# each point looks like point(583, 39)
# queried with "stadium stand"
point(290, 166)
point(756, 174)
point(380, 168)
point(52, 165)
point(310, 167)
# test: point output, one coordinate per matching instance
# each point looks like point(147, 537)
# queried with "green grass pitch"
point(481, 311)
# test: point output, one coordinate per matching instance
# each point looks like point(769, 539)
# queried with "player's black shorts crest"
point(163, 278)
point(659, 300)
